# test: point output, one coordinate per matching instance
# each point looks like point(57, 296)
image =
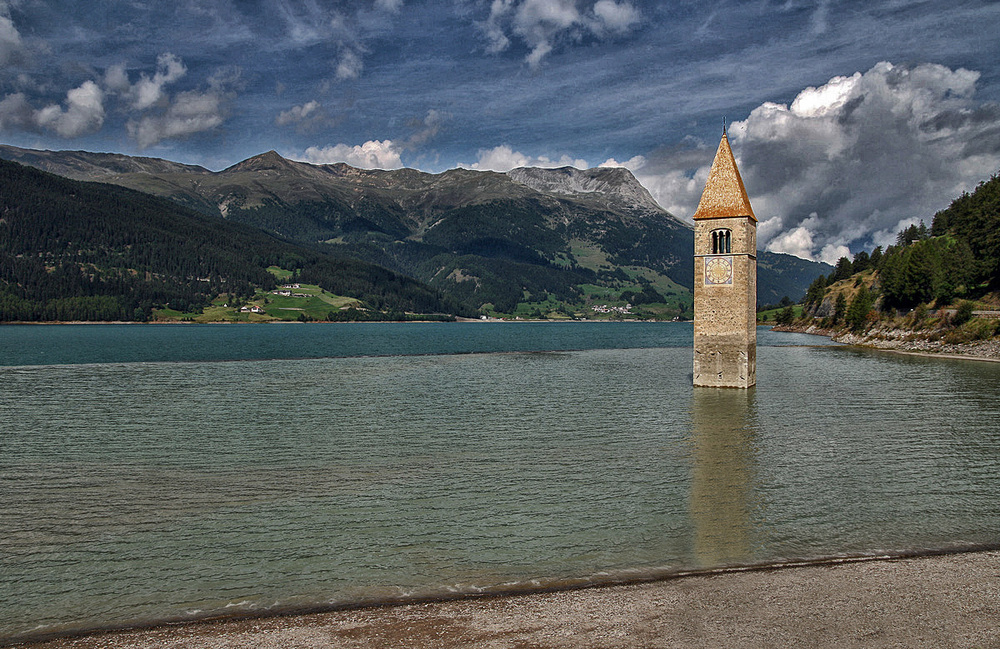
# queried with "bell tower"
point(725, 279)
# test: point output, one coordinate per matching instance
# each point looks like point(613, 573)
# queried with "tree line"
point(958, 256)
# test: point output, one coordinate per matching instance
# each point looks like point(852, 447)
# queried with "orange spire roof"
point(724, 194)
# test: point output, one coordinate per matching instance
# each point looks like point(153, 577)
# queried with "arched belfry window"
point(722, 242)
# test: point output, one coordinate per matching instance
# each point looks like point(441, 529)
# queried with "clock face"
point(719, 270)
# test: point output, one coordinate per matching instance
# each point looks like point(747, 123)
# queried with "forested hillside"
point(73, 250)
point(954, 263)
point(975, 220)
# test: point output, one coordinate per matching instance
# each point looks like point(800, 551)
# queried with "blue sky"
point(849, 119)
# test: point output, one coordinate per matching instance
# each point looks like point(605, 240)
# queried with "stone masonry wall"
point(725, 324)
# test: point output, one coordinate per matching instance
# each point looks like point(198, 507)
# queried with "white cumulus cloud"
point(503, 158)
point(377, 154)
point(161, 116)
point(374, 154)
point(798, 241)
point(633, 164)
point(188, 113)
point(615, 17)
point(846, 164)
point(82, 112)
point(116, 80)
point(148, 91)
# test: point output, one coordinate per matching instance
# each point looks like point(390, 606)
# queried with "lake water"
point(152, 473)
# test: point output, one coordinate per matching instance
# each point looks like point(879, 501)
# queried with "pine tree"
point(861, 305)
point(839, 308)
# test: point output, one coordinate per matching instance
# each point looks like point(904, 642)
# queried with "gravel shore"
point(902, 340)
point(940, 601)
point(981, 350)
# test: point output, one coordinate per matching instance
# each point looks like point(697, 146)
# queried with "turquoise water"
point(335, 464)
point(72, 344)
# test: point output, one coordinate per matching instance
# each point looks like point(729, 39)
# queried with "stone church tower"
point(725, 279)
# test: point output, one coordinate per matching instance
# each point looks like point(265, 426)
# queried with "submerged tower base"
point(722, 363)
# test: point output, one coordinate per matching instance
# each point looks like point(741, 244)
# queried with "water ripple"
point(132, 492)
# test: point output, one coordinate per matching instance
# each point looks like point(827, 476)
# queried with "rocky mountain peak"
point(615, 185)
point(270, 161)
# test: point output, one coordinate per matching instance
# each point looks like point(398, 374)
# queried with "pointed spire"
point(724, 194)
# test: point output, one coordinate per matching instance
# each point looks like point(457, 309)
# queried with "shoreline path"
point(940, 601)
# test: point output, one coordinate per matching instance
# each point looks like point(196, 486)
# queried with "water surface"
point(414, 460)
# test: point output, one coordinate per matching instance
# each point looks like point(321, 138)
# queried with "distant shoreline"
point(326, 322)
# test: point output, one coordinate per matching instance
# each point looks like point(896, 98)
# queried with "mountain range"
point(502, 243)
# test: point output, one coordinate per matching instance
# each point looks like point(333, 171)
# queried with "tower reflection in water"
point(723, 475)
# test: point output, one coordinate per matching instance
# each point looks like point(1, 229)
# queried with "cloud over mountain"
point(159, 115)
point(503, 158)
point(846, 165)
point(148, 90)
point(154, 113)
point(374, 154)
point(81, 112)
